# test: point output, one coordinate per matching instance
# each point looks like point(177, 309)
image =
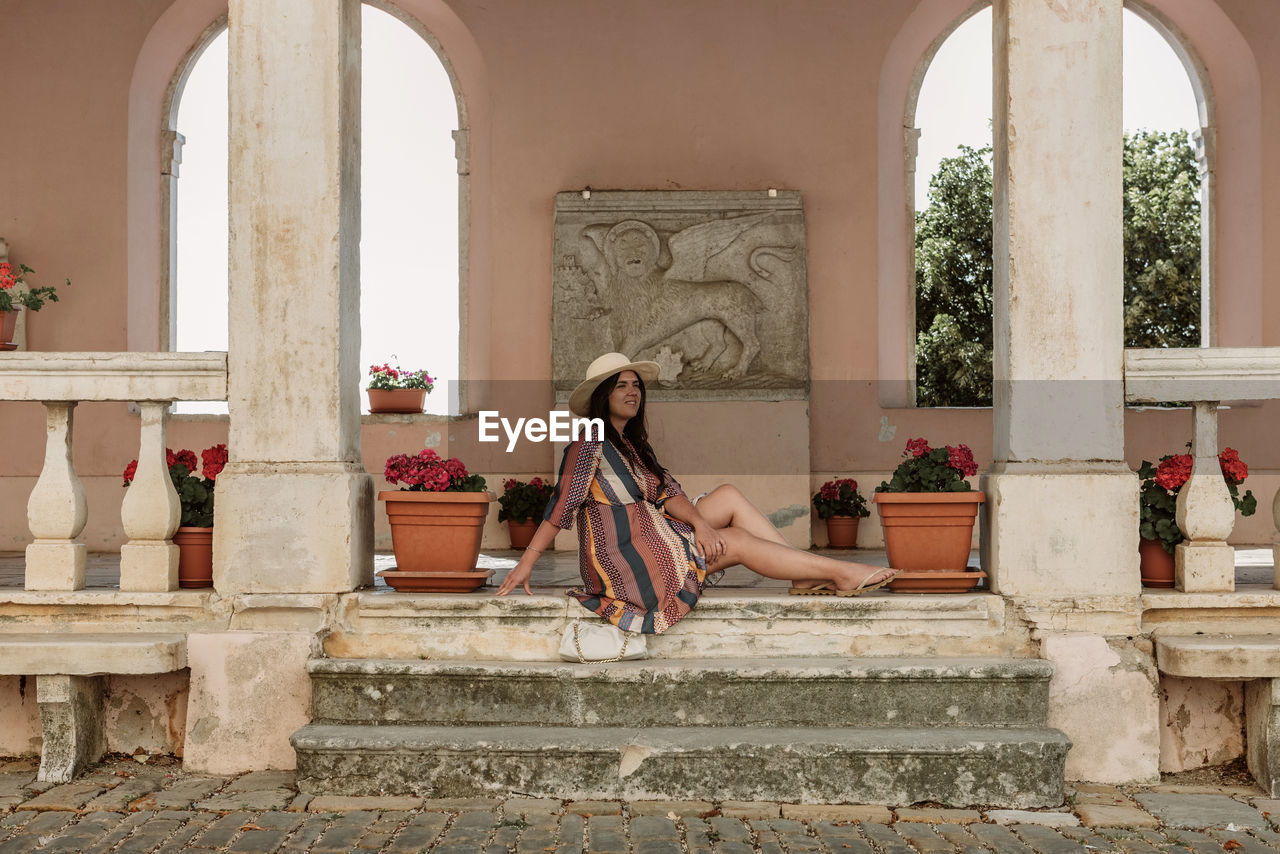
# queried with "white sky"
point(409, 228)
point(409, 245)
point(955, 98)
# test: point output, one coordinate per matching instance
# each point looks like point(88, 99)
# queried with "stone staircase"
point(960, 731)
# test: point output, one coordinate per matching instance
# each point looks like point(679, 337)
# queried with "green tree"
point(954, 251)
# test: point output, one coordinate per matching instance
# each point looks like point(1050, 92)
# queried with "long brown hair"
point(636, 430)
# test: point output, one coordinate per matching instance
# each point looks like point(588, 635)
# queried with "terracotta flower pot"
point(195, 556)
point(437, 532)
point(1156, 564)
point(522, 532)
point(8, 327)
point(928, 535)
point(842, 532)
point(387, 400)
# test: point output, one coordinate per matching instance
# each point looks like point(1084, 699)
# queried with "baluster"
point(151, 512)
point(56, 510)
point(1204, 562)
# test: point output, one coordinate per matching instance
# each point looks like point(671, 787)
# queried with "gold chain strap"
point(626, 639)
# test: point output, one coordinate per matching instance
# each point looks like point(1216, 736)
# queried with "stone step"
point(781, 692)
point(1013, 768)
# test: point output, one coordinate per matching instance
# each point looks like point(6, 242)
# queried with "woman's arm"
point(709, 541)
point(542, 539)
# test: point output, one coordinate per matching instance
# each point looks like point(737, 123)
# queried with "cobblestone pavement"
point(132, 807)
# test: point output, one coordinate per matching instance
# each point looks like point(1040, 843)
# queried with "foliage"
point(954, 264)
point(1158, 499)
point(840, 498)
point(195, 493)
point(32, 297)
point(925, 469)
point(427, 472)
point(384, 377)
point(522, 501)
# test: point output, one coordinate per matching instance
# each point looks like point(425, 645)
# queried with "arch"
point(169, 51)
point(1217, 59)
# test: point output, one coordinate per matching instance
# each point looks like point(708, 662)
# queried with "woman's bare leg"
point(726, 506)
point(781, 561)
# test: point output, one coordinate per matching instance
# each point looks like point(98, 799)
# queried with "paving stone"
point(605, 833)
point(271, 799)
point(69, 796)
point(750, 810)
point(964, 841)
point(504, 839)
point(781, 825)
point(657, 846)
point(460, 804)
point(922, 838)
point(653, 827)
point(339, 803)
point(883, 838)
point(1195, 811)
point(999, 838)
point(257, 781)
point(531, 806)
point(179, 796)
point(1187, 789)
point(680, 808)
point(1108, 815)
point(220, 832)
point(83, 833)
point(299, 802)
point(938, 815)
point(1046, 840)
point(9, 802)
point(746, 848)
point(1095, 789)
point(1048, 819)
point(149, 836)
point(12, 783)
point(309, 832)
point(590, 808)
point(124, 794)
point(1244, 843)
point(727, 829)
point(841, 839)
point(838, 812)
point(536, 839)
point(1200, 843)
point(572, 829)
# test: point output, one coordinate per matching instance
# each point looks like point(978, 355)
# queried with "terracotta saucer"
point(8, 346)
point(436, 582)
point(915, 581)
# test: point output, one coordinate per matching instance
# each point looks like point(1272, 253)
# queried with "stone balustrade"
point(57, 510)
point(1205, 377)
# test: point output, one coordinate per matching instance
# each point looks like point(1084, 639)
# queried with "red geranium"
point(1161, 483)
point(917, 447)
point(195, 493)
point(427, 472)
point(840, 498)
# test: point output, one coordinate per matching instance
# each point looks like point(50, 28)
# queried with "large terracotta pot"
point(388, 400)
point(438, 533)
point(928, 535)
point(195, 556)
point(1156, 564)
point(522, 532)
point(8, 327)
point(842, 532)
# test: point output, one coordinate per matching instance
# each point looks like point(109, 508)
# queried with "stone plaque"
point(713, 286)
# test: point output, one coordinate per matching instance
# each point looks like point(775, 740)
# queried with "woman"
point(644, 549)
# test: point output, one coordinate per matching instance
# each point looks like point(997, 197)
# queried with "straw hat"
point(602, 368)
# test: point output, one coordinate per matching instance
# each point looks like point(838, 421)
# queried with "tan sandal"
point(828, 588)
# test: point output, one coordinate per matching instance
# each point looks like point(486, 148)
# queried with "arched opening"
point(948, 156)
point(413, 177)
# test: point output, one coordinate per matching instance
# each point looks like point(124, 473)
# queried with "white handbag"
point(600, 643)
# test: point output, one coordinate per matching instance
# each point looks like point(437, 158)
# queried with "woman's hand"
point(710, 542)
point(518, 576)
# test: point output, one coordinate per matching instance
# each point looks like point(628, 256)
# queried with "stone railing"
point(57, 510)
point(1204, 377)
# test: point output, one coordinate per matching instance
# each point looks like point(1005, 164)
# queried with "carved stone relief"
point(711, 285)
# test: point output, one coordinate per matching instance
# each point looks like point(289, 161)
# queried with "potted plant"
point(1158, 509)
point(13, 297)
point(842, 506)
point(927, 510)
point(521, 506)
point(194, 536)
point(397, 390)
point(437, 518)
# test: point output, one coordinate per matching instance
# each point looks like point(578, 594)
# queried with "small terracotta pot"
point(195, 556)
point(437, 531)
point(8, 327)
point(522, 532)
point(842, 532)
point(1156, 564)
point(928, 531)
point(387, 400)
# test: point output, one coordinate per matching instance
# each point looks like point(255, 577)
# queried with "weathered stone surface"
point(1262, 732)
point(1219, 656)
point(377, 803)
point(865, 692)
point(938, 815)
point(269, 799)
point(590, 808)
point(1047, 818)
point(256, 781)
point(91, 654)
point(661, 808)
point(1010, 767)
point(750, 810)
point(181, 795)
point(1201, 810)
point(1107, 815)
point(125, 793)
point(1202, 722)
point(838, 812)
point(71, 796)
point(531, 806)
point(71, 722)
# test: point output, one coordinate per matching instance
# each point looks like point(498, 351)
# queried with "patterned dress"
point(640, 568)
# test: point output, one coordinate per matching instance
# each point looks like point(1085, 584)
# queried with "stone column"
point(57, 510)
point(295, 505)
point(1063, 505)
point(71, 723)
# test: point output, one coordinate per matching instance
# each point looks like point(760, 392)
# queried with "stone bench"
point(69, 671)
point(1254, 659)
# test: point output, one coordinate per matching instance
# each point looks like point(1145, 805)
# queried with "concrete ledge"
point(1219, 656)
point(91, 654)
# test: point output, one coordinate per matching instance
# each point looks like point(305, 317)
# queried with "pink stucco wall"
point(661, 94)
